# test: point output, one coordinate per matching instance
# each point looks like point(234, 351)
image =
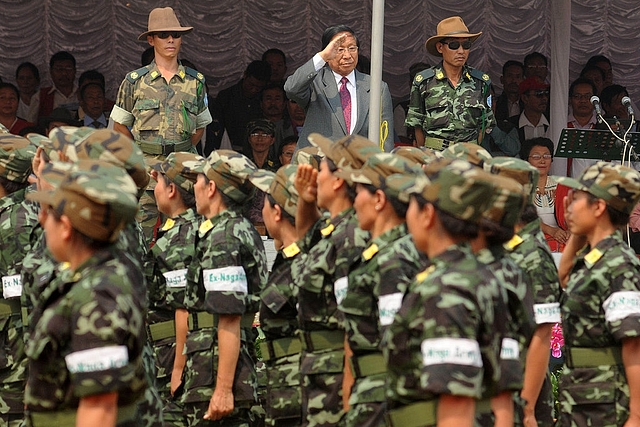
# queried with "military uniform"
point(162, 116)
point(373, 294)
point(228, 273)
point(450, 114)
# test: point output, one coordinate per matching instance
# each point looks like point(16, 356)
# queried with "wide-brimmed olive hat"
point(449, 27)
point(163, 19)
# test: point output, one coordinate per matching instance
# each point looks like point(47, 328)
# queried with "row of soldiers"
point(409, 289)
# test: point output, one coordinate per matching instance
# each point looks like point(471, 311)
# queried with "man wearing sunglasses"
point(450, 102)
point(532, 122)
point(163, 106)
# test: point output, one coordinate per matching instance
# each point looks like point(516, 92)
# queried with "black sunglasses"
point(454, 45)
point(166, 34)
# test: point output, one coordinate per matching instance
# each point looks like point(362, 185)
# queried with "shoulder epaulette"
point(194, 73)
point(135, 75)
point(424, 75)
point(477, 74)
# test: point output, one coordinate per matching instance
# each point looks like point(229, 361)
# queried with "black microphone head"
point(626, 101)
point(594, 99)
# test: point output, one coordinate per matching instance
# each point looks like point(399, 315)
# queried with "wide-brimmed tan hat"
point(163, 19)
point(449, 27)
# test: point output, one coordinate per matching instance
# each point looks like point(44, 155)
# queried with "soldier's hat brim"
point(452, 27)
point(163, 19)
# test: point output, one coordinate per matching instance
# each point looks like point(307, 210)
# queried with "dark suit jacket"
point(317, 93)
point(502, 107)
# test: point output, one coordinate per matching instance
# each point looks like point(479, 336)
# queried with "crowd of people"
point(416, 282)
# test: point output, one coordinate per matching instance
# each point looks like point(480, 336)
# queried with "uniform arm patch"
point(547, 313)
point(509, 349)
point(122, 116)
point(388, 306)
point(232, 279)
point(453, 351)
point(11, 286)
point(176, 278)
point(340, 289)
point(97, 359)
point(621, 305)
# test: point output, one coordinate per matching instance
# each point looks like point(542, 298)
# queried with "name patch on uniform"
point(621, 305)
point(388, 306)
point(454, 351)
point(232, 279)
point(509, 349)
point(97, 359)
point(176, 278)
point(547, 313)
point(11, 286)
point(340, 288)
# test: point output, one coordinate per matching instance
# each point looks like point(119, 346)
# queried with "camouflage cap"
point(279, 185)
point(454, 186)
point(376, 169)
point(351, 151)
point(308, 156)
point(230, 171)
point(101, 144)
point(506, 203)
point(472, 153)
point(178, 167)
point(98, 204)
point(16, 154)
point(421, 155)
point(261, 124)
point(519, 170)
point(617, 185)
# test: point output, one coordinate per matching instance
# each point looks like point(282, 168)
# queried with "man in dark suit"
point(509, 104)
point(335, 95)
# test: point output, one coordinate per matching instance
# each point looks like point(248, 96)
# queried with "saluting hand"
point(306, 183)
point(331, 50)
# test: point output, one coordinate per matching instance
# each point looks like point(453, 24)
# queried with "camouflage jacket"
point(455, 114)
point(520, 324)
point(278, 313)
point(89, 338)
point(446, 338)
point(530, 251)
point(325, 263)
point(599, 309)
point(172, 253)
point(375, 287)
point(19, 232)
point(161, 112)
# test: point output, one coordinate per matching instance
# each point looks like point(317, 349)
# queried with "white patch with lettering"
point(176, 278)
point(621, 305)
point(509, 349)
point(232, 279)
point(388, 306)
point(455, 351)
point(11, 286)
point(547, 313)
point(340, 289)
point(97, 359)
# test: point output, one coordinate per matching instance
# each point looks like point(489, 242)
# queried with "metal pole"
point(377, 36)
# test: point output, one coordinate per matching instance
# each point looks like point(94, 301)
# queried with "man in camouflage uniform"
point(530, 251)
point(171, 255)
point(19, 230)
point(163, 106)
point(443, 347)
point(601, 303)
point(450, 101)
point(278, 315)
point(222, 296)
point(372, 293)
point(85, 347)
point(318, 270)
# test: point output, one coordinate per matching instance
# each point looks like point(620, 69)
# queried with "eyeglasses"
point(63, 69)
point(455, 45)
point(540, 93)
point(538, 157)
point(166, 34)
point(350, 49)
point(261, 135)
point(537, 67)
point(579, 96)
point(287, 153)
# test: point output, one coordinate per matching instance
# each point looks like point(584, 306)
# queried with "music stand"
point(593, 144)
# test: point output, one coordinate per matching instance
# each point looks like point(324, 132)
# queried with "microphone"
point(596, 104)
point(627, 103)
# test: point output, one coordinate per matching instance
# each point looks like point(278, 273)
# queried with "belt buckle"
point(168, 149)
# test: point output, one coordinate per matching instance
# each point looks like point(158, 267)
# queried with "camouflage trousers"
point(322, 373)
point(597, 396)
point(12, 405)
point(283, 407)
point(544, 405)
point(149, 410)
point(12, 420)
point(194, 414)
point(367, 403)
point(148, 215)
point(164, 353)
